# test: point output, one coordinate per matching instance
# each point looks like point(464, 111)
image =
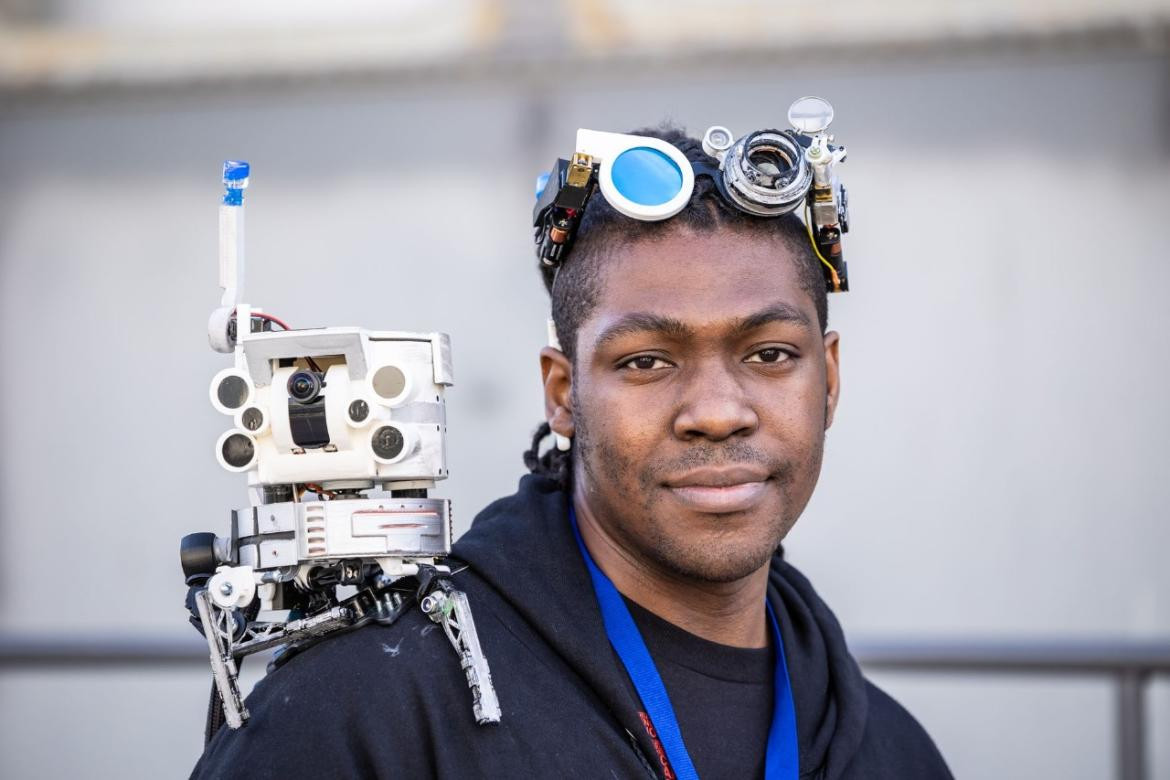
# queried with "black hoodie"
point(393, 701)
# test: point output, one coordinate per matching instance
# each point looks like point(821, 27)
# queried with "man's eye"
point(645, 363)
point(769, 355)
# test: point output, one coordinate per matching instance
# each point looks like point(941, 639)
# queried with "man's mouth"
point(720, 490)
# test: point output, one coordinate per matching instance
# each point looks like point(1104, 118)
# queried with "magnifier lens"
point(646, 176)
point(770, 161)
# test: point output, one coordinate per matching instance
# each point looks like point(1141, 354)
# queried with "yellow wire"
point(812, 239)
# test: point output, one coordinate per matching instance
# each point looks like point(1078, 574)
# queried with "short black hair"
point(575, 287)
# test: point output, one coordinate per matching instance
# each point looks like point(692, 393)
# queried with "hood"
point(523, 547)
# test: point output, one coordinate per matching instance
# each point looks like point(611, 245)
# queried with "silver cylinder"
point(766, 174)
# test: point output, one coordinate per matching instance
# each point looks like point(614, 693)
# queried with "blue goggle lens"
point(646, 176)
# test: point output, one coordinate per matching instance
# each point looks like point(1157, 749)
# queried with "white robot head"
point(339, 408)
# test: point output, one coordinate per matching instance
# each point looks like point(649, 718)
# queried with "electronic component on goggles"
point(766, 173)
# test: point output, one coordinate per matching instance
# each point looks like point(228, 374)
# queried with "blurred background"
point(990, 526)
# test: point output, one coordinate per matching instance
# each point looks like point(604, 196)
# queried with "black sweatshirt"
point(393, 702)
point(722, 696)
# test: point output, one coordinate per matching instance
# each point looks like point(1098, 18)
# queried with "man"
point(632, 597)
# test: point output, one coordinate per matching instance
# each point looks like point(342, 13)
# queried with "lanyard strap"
point(781, 761)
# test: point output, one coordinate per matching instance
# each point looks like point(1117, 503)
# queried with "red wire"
point(284, 325)
point(320, 490)
point(271, 318)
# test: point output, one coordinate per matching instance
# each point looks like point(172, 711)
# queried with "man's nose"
point(715, 406)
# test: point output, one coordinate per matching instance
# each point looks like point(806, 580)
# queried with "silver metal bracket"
point(218, 631)
point(439, 600)
point(448, 607)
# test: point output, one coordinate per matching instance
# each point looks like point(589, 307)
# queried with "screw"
point(226, 589)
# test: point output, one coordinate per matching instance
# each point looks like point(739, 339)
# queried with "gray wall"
point(997, 468)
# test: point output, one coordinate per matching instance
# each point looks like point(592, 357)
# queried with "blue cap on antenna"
point(235, 179)
point(234, 170)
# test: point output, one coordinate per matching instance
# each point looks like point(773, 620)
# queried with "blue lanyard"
point(782, 758)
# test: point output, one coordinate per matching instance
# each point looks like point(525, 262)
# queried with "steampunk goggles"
point(765, 173)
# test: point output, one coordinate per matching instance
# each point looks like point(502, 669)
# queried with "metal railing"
point(1128, 664)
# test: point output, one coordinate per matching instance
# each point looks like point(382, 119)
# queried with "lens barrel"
point(304, 386)
point(765, 173)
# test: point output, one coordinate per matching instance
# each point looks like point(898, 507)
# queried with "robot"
point(342, 435)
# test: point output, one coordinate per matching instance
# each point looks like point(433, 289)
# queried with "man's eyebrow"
point(779, 312)
point(644, 322)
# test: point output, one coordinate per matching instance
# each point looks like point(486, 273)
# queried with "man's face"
point(699, 401)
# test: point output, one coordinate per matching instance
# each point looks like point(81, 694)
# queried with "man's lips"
point(720, 490)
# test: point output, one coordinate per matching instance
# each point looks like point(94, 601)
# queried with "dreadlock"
point(554, 464)
point(576, 285)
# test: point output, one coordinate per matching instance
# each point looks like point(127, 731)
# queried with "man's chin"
point(718, 561)
point(714, 547)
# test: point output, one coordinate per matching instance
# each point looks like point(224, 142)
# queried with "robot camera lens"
point(389, 382)
point(252, 418)
point(232, 391)
point(387, 442)
point(304, 386)
point(359, 410)
point(238, 450)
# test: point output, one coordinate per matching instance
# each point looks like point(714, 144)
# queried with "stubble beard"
point(638, 525)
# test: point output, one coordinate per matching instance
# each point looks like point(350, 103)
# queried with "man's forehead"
point(702, 282)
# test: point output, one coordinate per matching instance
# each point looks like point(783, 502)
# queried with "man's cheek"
point(610, 458)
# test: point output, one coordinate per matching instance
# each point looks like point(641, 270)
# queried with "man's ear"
point(556, 372)
point(832, 375)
